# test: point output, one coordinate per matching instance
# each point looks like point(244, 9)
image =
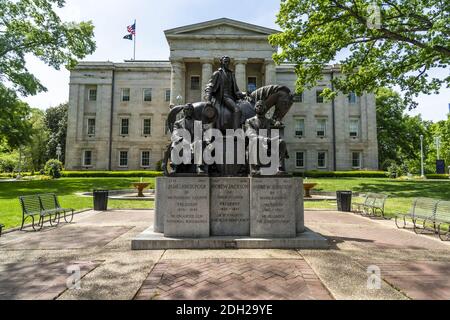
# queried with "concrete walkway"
point(96, 248)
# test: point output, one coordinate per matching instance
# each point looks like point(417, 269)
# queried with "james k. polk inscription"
point(187, 208)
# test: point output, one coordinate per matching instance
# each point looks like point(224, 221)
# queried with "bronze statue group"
point(226, 109)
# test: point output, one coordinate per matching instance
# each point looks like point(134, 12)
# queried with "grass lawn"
point(401, 193)
point(65, 188)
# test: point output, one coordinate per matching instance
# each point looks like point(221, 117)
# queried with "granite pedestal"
point(226, 212)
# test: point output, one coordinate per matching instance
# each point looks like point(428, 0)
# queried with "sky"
point(111, 17)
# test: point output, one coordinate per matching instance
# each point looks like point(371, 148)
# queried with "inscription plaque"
point(187, 207)
point(230, 206)
point(273, 207)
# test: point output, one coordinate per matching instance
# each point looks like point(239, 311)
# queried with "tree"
point(33, 27)
point(441, 129)
point(35, 152)
point(56, 123)
point(382, 43)
point(398, 133)
point(15, 129)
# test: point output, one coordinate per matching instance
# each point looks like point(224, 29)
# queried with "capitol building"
point(118, 111)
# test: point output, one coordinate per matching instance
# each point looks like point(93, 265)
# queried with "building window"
point(356, 160)
point(299, 127)
point(125, 95)
point(300, 159)
point(352, 98)
point(92, 96)
point(354, 128)
point(321, 128)
point(167, 97)
point(145, 159)
point(319, 97)
point(251, 84)
point(298, 97)
point(321, 159)
point(147, 127)
point(91, 127)
point(123, 159)
point(87, 158)
point(147, 95)
point(195, 83)
point(124, 126)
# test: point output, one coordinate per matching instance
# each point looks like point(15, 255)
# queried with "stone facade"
point(118, 111)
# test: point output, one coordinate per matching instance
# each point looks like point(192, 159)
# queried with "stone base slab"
point(150, 240)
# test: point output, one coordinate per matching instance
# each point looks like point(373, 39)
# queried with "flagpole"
point(134, 51)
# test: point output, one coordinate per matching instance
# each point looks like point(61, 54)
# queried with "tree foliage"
point(411, 38)
point(56, 122)
point(15, 129)
point(35, 151)
point(399, 133)
point(33, 27)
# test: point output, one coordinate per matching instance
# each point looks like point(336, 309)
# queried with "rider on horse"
point(222, 91)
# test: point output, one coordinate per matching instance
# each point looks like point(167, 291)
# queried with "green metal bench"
point(50, 203)
point(42, 206)
point(442, 217)
point(422, 209)
point(372, 205)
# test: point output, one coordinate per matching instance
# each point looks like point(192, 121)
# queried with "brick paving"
point(367, 233)
point(421, 280)
point(424, 274)
point(33, 265)
point(63, 238)
point(38, 280)
point(233, 279)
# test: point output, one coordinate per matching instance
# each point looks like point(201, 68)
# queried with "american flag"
point(132, 29)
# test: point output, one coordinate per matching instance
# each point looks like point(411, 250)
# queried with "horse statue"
point(274, 96)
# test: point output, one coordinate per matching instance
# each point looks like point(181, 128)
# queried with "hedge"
point(110, 174)
point(13, 175)
point(309, 174)
point(437, 176)
point(342, 174)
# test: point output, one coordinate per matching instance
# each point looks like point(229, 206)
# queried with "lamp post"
point(58, 151)
point(422, 173)
point(437, 141)
point(19, 176)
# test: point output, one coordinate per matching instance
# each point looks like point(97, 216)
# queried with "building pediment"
point(220, 28)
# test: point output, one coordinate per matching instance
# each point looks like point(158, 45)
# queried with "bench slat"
point(443, 211)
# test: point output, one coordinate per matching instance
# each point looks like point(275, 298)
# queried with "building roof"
point(251, 28)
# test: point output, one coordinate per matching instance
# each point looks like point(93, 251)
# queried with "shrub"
point(111, 174)
point(8, 162)
point(341, 174)
point(396, 171)
point(53, 168)
point(437, 176)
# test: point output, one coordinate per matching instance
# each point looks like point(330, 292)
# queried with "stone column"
point(207, 71)
point(241, 74)
point(271, 73)
point(177, 81)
